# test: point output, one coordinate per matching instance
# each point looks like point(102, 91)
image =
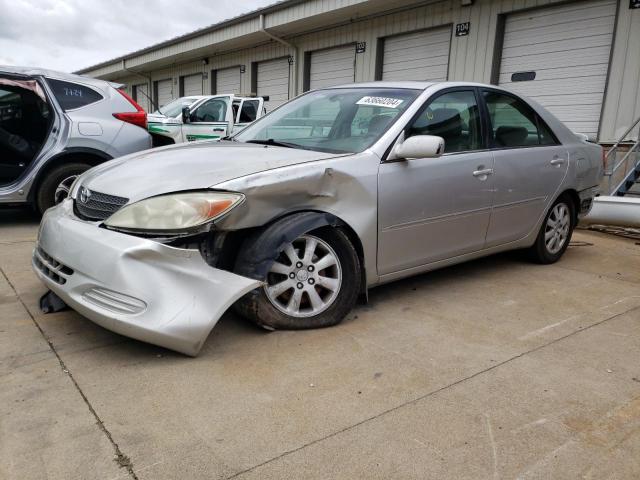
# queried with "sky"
point(68, 35)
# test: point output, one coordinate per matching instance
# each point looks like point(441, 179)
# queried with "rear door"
point(29, 126)
point(530, 165)
point(248, 112)
point(209, 120)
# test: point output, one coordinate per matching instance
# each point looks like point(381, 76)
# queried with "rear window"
point(72, 95)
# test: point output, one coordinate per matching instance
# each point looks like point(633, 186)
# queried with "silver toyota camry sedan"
point(295, 217)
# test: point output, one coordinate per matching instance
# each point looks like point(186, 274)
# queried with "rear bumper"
point(133, 286)
point(586, 200)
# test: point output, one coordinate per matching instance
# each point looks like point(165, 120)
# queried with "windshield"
point(173, 109)
point(339, 120)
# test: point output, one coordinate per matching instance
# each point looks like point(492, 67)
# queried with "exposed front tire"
point(314, 282)
point(56, 185)
point(555, 232)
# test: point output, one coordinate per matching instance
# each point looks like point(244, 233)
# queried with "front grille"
point(92, 205)
point(49, 266)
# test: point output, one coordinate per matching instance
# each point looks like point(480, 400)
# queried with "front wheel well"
point(223, 253)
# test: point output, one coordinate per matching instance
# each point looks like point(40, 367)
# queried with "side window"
point(455, 117)
point(249, 111)
point(72, 95)
point(514, 123)
point(211, 111)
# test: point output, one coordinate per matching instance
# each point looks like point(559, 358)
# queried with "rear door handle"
point(483, 173)
point(218, 129)
point(557, 161)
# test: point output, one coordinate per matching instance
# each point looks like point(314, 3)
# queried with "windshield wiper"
point(274, 143)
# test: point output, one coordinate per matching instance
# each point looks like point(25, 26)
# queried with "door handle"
point(218, 129)
point(483, 173)
point(557, 161)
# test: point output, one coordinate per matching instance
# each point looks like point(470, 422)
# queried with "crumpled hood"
point(189, 167)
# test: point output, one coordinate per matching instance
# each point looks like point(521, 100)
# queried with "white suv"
point(54, 126)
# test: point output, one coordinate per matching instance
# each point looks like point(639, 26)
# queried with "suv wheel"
point(314, 282)
point(57, 184)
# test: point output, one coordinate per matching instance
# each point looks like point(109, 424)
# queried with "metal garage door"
point(228, 80)
point(192, 85)
point(568, 48)
point(417, 56)
point(165, 92)
point(142, 96)
point(273, 80)
point(333, 66)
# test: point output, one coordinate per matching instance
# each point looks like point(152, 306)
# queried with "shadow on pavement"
point(18, 216)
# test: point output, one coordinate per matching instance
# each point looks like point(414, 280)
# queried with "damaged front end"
point(134, 286)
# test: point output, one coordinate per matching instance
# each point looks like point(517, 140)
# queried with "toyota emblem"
point(85, 194)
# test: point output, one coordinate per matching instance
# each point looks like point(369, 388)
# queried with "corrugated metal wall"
point(472, 57)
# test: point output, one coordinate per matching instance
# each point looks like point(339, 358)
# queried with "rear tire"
point(555, 232)
point(311, 297)
point(55, 186)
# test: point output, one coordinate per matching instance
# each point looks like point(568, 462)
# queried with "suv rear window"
point(71, 95)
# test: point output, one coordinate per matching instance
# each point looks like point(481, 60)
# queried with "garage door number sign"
point(462, 29)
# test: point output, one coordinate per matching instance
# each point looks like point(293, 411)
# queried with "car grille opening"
point(92, 205)
point(50, 267)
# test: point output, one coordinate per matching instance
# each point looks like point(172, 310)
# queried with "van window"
point(72, 95)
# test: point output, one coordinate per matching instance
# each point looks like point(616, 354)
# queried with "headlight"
point(175, 212)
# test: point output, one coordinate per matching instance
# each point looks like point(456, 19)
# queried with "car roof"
point(416, 85)
point(43, 72)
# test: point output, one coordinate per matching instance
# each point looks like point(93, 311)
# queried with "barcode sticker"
point(380, 102)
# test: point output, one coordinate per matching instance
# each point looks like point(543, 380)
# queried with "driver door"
point(208, 121)
point(431, 209)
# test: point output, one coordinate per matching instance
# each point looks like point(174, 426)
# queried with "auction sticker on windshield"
point(380, 102)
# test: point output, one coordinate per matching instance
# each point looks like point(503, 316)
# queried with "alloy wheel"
point(305, 279)
point(557, 228)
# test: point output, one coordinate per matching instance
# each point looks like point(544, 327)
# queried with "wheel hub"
point(305, 279)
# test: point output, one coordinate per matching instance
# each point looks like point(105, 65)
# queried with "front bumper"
point(133, 286)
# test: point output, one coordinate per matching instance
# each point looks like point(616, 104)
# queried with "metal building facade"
point(280, 50)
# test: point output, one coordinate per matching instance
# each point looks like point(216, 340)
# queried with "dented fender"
point(340, 190)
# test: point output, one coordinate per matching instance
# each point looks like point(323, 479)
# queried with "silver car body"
point(172, 297)
point(91, 129)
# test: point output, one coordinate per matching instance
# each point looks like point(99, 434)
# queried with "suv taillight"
point(138, 118)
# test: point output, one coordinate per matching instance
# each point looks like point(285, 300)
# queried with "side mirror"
point(420, 146)
point(186, 115)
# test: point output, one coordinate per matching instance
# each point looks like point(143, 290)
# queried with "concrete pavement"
point(493, 369)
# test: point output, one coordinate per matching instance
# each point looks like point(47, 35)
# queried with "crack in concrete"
point(121, 459)
point(431, 393)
